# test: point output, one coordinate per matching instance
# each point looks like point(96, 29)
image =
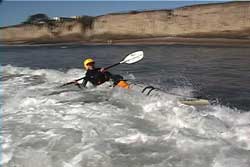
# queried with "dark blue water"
point(216, 73)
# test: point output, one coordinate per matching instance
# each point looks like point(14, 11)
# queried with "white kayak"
point(194, 101)
point(152, 91)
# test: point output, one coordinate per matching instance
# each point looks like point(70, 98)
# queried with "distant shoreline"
point(183, 41)
point(145, 41)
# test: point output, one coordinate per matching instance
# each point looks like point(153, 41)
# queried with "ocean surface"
point(47, 125)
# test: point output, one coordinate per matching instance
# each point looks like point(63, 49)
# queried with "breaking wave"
point(44, 125)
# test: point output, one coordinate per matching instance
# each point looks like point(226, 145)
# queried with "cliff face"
point(227, 20)
point(202, 20)
point(66, 31)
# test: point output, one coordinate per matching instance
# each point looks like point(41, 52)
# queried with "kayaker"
point(98, 76)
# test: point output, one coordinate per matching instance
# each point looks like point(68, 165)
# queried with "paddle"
point(129, 59)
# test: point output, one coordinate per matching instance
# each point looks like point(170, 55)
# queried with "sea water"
point(47, 125)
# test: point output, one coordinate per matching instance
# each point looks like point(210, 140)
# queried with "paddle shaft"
point(72, 82)
point(116, 64)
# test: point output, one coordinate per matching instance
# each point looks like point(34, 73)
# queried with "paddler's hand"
point(102, 70)
point(77, 84)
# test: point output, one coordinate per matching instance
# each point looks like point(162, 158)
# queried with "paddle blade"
point(133, 57)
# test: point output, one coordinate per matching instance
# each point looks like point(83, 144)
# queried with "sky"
point(15, 12)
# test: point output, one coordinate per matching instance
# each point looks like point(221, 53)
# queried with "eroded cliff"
point(226, 20)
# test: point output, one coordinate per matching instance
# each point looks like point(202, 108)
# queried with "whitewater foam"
point(103, 126)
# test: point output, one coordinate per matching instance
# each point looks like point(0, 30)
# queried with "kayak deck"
point(150, 90)
point(195, 102)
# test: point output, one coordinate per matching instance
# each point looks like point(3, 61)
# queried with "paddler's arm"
point(107, 74)
point(113, 77)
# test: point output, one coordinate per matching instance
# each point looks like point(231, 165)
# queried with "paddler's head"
point(89, 64)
